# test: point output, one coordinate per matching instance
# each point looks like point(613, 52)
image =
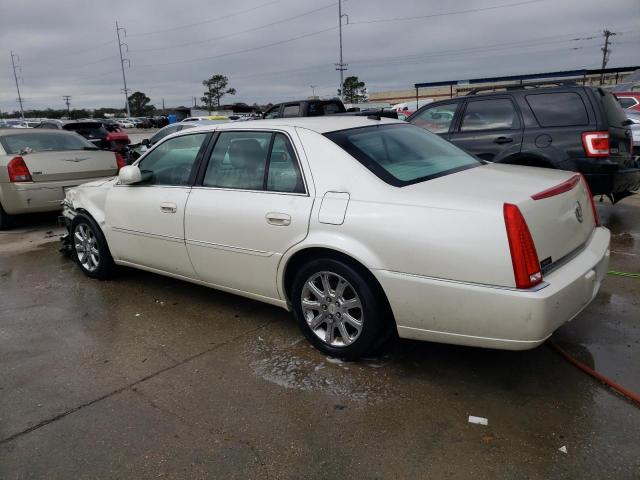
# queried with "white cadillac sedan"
point(362, 227)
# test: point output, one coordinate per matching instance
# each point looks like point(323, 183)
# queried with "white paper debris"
point(478, 420)
point(137, 314)
point(563, 449)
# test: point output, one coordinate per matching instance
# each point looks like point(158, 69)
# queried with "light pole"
point(313, 90)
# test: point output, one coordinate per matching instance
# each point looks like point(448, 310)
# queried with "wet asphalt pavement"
point(148, 377)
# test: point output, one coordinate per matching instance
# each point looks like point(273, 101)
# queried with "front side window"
point(436, 119)
point(490, 114)
point(558, 109)
point(402, 154)
point(273, 112)
point(39, 141)
point(171, 162)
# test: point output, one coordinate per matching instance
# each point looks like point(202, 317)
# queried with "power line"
point(207, 40)
point(122, 60)
point(457, 12)
point(227, 54)
point(15, 76)
point(380, 60)
point(213, 20)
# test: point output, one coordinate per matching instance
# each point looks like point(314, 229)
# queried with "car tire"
point(6, 220)
point(89, 248)
point(353, 306)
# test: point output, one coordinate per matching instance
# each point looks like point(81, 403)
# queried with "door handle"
point(278, 219)
point(501, 140)
point(168, 207)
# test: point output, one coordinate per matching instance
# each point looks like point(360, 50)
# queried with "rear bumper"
point(627, 179)
point(495, 317)
point(19, 198)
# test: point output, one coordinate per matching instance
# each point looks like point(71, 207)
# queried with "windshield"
point(44, 142)
point(402, 154)
point(87, 129)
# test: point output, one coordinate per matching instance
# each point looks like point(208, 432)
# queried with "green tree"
point(139, 104)
point(353, 90)
point(216, 89)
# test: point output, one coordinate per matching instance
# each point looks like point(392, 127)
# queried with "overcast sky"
point(273, 50)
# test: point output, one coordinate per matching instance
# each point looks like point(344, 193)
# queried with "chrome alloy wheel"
point(332, 309)
point(86, 246)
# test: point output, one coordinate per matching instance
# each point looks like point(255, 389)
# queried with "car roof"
point(322, 124)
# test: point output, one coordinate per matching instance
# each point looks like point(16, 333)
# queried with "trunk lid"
point(561, 223)
point(70, 165)
point(553, 221)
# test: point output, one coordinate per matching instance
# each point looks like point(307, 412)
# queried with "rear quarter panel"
point(390, 228)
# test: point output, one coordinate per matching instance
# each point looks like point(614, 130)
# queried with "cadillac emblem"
point(578, 212)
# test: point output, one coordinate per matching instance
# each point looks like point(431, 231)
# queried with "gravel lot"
point(149, 377)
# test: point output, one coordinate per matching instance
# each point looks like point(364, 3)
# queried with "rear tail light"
point(526, 266)
point(596, 219)
point(120, 161)
point(558, 189)
point(596, 144)
point(18, 170)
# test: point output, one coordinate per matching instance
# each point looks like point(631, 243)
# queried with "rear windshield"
point(44, 142)
point(560, 109)
point(317, 109)
point(402, 154)
point(87, 128)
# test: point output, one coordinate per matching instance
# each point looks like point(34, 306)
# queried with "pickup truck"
point(317, 108)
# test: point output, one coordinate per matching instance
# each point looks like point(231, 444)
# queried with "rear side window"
point(254, 161)
point(558, 109)
point(44, 142)
point(291, 111)
point(238, 161)
point(627, 102)
point(492, 114)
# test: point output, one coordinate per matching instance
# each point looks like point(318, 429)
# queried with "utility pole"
point(15, 76)
point(122, 60)
point(67, 100)
point(605, 52)
point(341, 66)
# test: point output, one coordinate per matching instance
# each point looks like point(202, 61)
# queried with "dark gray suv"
point(565, 126)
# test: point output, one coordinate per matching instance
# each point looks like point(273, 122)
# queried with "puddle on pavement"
point(298, 366)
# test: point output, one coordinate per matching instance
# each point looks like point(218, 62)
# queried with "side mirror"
point(145, 142)
point(129, 175)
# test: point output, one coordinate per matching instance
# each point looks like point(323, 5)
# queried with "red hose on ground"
point(634, 397)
